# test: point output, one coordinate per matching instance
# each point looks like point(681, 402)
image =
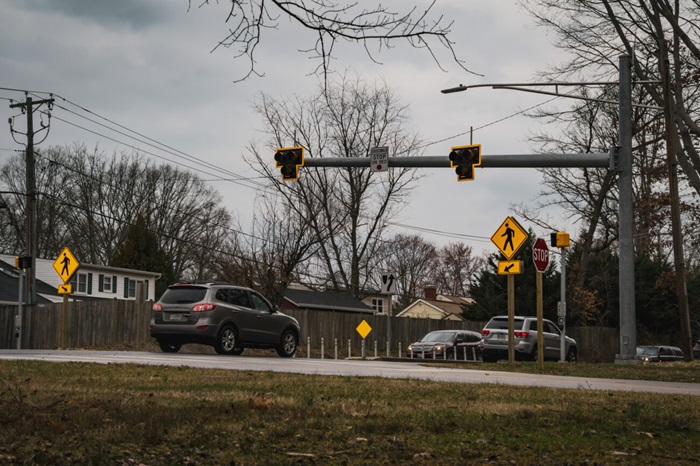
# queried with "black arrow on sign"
point(508, 267)
point(389, 279)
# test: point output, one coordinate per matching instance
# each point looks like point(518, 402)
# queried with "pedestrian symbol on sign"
point(509, 237)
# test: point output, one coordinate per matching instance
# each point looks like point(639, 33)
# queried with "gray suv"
point(495, 340)
point(229, 318)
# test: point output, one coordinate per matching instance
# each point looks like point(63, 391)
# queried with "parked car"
point(447, 344)
point(495, 340)
point(227, 317)
point(696, 350)
point(659, 353)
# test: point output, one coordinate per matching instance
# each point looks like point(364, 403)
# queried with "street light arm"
point(522, 87)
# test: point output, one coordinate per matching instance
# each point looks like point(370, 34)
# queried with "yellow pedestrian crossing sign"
point(509, 237)
point(65, 265)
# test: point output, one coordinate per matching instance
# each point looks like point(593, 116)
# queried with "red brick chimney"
point(430, 292)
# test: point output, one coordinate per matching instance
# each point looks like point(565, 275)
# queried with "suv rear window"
point(502, 324)
point(183, 294)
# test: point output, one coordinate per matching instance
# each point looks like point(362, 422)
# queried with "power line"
point(147, 152)
point(168, 149)
point(441, 232)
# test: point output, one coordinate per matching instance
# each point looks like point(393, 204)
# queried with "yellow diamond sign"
point(65, 265)
point(509, 237)
point(363, 329)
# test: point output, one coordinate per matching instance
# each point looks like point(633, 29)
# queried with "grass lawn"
point(72, 413)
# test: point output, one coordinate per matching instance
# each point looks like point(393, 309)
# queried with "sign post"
point(65, 266)
point(363, 329)
point(509, 238)
point(540, 256)
point(388, 287)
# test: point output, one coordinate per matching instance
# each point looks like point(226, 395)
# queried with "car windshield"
point(183, 294)
point(648, 351)
point(502, 324)
point(439, 337)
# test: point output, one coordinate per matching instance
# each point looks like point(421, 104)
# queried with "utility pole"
point(628, 312)
point(31, 245)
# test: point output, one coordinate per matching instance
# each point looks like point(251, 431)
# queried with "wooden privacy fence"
point(124, 325)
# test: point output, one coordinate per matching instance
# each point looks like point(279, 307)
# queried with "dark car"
point(447, 344)
point(659, 353)
point(227, 317)
point(495, 335)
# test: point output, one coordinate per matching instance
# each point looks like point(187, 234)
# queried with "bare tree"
point(331, 21)
point(411, 259)
point(661, 36)
point(88, 200)
point(456, 268)
point(346, 208)
point(656, 33)
point(274, 254)
point(52, 181)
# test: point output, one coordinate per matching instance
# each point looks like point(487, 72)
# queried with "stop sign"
point(540, 255)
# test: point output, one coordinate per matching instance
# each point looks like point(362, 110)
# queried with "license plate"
point(501, 336)
point(177, 317)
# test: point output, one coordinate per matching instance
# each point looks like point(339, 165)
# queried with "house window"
point(378, 304)
point(130, 286)
point(82, 283)
point(107, 284)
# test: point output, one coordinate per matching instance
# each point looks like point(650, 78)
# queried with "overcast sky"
point(146, 65)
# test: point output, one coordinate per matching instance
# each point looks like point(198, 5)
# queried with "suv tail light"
point(521, 334)
point(157, 308)
point(485, 332)
point(204, 307)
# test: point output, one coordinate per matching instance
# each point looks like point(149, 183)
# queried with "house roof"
point(326, 300)
point(9, 286)
point(447, 308)
point(456, 299)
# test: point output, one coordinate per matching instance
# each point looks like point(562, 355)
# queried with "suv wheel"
point(226, 341)
point(571, 355)
point(288, 345)
point(168, 347)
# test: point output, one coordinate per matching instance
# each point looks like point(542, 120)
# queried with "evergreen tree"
point(140, 250)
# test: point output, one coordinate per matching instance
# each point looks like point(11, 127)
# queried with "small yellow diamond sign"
point(65, 265)
point(363, 329)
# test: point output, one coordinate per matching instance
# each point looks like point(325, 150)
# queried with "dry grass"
point(126, 414)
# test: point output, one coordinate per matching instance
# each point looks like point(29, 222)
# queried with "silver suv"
point(229, 318)
point(495, 340)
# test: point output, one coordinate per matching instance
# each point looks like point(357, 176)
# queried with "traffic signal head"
point(289, 159)
point(463, 159)
point(560, 239)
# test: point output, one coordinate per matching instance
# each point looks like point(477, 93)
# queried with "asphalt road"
point(358, 368)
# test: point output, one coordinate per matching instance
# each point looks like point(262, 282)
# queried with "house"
point(378, 302)
point(9, 287)
point(432, 306)
point(92, 281)
point(303, 298)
